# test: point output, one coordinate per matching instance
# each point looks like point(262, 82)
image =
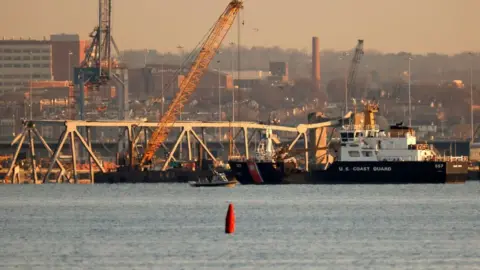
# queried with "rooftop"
point(22, 40)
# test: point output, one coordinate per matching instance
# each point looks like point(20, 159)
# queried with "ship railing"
point(352, 127)
point(244, 158)
point(452, 158)
point(372, 127)
point(239, 158)
point(360, 127)
point(261, 158)
point(435, 150)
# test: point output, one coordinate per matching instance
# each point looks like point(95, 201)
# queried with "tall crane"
point(100, 66)
point(188, 85)
point(98, 56)
point(352, 72)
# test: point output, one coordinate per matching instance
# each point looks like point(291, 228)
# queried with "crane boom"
point(352, 73)
point(189, 83)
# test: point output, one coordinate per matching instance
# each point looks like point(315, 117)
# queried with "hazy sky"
point(446, 26)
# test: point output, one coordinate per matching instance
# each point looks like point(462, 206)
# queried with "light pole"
point(145, 58)
point(219, 96)
point(346, 91)
point(30, 90)
point(345, 54)
point(471, 96)
point(69, 66)
point(219, 103)
point(163, 93)
point(409, 93)
point(13, 119)
point(233, 81)
point(180, 49)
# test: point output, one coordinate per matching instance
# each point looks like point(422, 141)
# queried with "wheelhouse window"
point(346, 136)
point(367, 153)
point(354, 153)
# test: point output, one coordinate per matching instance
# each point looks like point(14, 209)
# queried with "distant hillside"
point(431, 67)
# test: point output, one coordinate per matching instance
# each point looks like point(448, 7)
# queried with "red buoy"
point(230, 220)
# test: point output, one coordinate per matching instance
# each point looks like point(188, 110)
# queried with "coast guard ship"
point(364, 154)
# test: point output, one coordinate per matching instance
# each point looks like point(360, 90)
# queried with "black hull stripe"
point(358, 173)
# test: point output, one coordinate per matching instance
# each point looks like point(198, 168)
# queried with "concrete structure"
point(316, 63)
point(247, 79)
point(24, 60)
point(249, 75)
point(279, 69)
point(279, 72)
point(318, 139)
point(67, 52)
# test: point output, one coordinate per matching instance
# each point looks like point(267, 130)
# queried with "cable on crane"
point(188, 85)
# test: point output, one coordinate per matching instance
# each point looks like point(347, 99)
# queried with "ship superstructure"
point(368, 143)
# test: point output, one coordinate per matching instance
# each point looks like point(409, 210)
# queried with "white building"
point(24, 60)
point(249, 74)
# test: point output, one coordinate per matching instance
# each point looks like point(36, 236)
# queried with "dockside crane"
point(188, 85)
point(352, 72)
point(101, 64)
point(99, 60)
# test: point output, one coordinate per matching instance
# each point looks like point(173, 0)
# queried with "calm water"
point(278, 227)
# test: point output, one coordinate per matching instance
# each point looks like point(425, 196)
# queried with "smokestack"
point(316, 63)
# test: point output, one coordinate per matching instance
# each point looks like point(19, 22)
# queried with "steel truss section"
point(71, 132)
point(133, 131)
point(31, 131)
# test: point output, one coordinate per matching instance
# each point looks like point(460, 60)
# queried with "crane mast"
point(98, 55)
point(100, 65)
point(189, 83)
point(352, 72)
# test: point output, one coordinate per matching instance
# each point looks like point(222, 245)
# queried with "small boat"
point(216, 180)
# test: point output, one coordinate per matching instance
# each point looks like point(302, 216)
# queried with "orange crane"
point(189, 83)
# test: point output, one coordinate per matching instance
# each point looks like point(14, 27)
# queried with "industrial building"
point(22, 61)
point(248, 79)
point(279, 72)
point(148, 81)
point(48, 65)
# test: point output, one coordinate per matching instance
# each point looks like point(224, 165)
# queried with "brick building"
point(68, 51)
